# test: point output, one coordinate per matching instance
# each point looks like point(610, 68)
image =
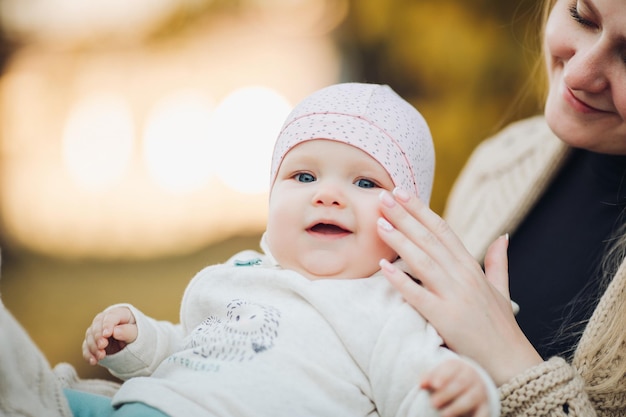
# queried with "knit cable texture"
point(552, 389)
point(613, 403)
point(28, 386)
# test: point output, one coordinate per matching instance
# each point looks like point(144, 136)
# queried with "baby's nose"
point(329, 195)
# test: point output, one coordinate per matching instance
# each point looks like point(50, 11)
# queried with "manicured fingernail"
point(401, 194)
point(506, 236)
point(385, 224)
point(386, 265)
point(387, 199)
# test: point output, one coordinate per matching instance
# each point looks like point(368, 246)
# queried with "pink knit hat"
point(370, 117)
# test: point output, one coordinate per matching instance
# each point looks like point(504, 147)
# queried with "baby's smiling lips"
point(328, 230)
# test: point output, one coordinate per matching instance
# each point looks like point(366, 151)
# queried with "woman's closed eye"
point(573, 11)
point(576, 14)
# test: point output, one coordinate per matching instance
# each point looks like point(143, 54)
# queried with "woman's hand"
point(470, 308)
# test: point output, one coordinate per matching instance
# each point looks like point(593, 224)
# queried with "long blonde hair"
point(603, 359)
point(606, 349)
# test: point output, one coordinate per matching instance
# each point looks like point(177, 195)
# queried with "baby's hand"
point(457, 389)
point(109, 333)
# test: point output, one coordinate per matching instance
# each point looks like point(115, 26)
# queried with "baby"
point(309, 327)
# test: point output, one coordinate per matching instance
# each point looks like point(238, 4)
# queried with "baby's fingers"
point(456, 389)
point(94, 344)
point(97, 343)
point(126, 333)
point(113, 317)
point(466, 403)
point(91, 354)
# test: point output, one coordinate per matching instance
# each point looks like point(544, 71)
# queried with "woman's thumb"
point(497, 265)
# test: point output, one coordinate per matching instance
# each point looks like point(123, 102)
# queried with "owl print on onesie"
point(246, 330)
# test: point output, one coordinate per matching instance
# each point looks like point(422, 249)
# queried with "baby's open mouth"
point(328, 229)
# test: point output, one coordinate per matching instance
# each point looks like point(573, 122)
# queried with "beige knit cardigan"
point(499, 184)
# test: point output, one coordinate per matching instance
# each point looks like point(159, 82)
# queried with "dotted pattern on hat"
point(372, 118)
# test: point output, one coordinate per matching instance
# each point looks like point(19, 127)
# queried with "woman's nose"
point(586, 70)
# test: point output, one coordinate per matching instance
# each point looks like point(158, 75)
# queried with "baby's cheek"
point(384, 250)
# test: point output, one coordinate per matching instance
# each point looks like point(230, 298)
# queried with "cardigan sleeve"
point(550, 389)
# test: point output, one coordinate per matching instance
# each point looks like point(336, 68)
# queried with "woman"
point(555, 183)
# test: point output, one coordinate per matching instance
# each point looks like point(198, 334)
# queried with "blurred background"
point(136, 136)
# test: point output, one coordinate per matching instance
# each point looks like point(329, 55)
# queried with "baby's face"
point(323, 211)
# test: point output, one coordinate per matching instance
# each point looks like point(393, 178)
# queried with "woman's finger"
point(497, 265)
point(426, 257)
point(421, 263)
point(434, 223)
point(432, 250)
point(413, 293)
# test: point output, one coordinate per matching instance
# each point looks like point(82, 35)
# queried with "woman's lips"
point(577, 104)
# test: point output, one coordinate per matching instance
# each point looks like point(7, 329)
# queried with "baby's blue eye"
point(304, 177)
point(365, 183)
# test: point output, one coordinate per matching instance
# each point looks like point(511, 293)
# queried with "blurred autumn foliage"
point(468, 66)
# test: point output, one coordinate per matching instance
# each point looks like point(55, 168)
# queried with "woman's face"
point(585, 47)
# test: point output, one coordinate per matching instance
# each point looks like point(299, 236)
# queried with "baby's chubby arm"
point(110, 332)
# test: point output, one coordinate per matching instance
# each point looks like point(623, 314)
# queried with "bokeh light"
point(177, 142)
point(66, 21)
point(98, 140)
point(245, 126)
point(299, 18)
